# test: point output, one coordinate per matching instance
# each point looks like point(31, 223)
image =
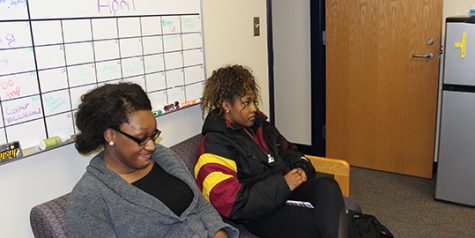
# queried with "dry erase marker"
point(188, 103)
point(52, 142)
point(157, 113)
point(49, 142)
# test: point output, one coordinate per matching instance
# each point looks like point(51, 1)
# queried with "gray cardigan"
point(102, 204)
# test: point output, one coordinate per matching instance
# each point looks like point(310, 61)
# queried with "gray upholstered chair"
point(47, 219)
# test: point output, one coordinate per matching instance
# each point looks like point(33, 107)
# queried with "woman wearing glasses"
point(248, 170)
point(133, 187)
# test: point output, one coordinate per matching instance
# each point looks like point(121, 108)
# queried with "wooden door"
point(381, 101)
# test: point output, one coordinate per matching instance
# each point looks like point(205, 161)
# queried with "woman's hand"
point(295, 178)
point(220, 234)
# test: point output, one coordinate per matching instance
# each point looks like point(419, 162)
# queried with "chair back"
point(47, 219)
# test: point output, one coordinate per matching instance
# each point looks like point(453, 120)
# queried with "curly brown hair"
point(227, 83)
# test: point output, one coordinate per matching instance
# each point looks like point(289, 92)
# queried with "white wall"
point(457, 7)
point(292, 69)
point(228, 39)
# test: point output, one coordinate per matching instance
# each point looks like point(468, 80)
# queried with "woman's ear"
point(109, 135)
point(226, 106)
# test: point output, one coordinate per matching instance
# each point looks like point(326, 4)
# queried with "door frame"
point(318, 75)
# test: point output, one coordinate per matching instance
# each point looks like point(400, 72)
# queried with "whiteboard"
point(54, 51)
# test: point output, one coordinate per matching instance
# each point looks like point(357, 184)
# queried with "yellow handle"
point(462, 45)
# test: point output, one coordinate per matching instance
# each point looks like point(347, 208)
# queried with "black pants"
point(295, 222)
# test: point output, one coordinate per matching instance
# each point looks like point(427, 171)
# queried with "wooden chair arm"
point(340, 169)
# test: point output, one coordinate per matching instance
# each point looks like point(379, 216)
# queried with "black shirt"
point(174, 193)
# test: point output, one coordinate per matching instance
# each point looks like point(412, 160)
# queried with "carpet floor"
point(406, 205)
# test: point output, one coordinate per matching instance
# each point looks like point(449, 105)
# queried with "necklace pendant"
point(270, 159)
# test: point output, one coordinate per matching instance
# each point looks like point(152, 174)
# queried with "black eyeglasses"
point(143, 141)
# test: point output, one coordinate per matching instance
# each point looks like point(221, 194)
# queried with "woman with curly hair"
point(133, 187)
point(248, 170)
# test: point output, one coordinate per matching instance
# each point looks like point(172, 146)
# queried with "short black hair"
point(106, 107)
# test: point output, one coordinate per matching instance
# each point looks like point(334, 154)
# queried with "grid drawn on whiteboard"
point(47, 64)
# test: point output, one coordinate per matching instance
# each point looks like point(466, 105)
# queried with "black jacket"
point(242, 173)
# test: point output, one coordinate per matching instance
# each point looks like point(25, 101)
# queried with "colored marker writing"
point(169, 24)
point(188, 23)
point(17, 2)
point(22, 112)
point(7, 84)
point(7, 40)
point(9, 89)
point(54, 103)
point(22, 117)
point(17, 109)
point(115, 6)
point(110, 69)
point(13, 93)
point(133, 68)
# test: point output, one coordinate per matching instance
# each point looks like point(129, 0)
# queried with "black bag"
point(366, 226)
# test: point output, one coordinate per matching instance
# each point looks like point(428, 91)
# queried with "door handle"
point(425, 56)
